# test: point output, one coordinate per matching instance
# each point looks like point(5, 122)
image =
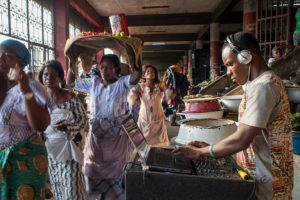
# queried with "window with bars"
point(31, 22)
point(78, 24)
point(275, 23)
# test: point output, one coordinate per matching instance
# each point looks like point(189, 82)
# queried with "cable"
point(252, 193)
point(132, 163)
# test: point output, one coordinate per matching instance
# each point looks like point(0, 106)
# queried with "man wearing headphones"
point(263, 141)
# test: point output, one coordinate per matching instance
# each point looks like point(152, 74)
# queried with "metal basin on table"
point(210, 131)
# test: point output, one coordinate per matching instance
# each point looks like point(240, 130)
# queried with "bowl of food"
point(232, 102)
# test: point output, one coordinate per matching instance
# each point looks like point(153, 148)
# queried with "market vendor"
point(263, 141)
point(106, 150)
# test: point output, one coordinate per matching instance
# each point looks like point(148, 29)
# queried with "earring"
point(59, 85)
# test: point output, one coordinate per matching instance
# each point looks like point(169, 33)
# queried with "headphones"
point(243, 56)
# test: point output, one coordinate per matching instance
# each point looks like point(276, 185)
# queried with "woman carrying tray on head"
point(106, 150)
point(151, 119)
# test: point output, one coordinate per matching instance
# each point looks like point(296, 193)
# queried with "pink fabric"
point(105, 157)
point(152, 119)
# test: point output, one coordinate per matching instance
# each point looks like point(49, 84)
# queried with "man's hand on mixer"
point(188, 151)
point(198, 144)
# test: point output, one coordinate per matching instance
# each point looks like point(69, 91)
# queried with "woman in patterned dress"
point(151, 119)
point(63, 138)
point(23, 156)
point(106, 149)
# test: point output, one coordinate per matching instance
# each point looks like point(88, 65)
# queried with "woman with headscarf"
point(63, 138)
point(106, 150)
point(23, 157)
point(151, 118)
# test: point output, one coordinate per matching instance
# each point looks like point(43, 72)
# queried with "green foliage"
point(295, 120)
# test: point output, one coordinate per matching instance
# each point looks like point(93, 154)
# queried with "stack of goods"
point(202, 106)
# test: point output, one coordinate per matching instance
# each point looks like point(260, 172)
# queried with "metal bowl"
point(210, 131)
point(232, 102)
point(293, 94)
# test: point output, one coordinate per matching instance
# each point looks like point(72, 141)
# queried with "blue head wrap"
point(20, 49)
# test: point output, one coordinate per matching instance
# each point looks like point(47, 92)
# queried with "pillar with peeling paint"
point(199, 44)
point(185, 64)
point(190, 77)
point(214, 49)
point(249, 18)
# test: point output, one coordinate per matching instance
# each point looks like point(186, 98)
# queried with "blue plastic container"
point(296, 142)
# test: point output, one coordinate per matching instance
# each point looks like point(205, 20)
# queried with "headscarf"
point(20, 50)
point(177, 68)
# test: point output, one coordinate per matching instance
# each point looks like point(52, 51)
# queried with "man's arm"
point(236, 142)
point(70, 83)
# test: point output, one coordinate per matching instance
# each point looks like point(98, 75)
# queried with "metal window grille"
point(31, 22)
point(274, 24)
point(78, 24)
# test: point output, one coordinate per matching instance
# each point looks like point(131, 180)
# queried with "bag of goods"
point(118, 25)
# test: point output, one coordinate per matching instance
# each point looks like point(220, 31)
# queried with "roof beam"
point(162, 54)
point(165, 47)
point(160, 63)
point(235, 17)
point(220, 12)
point(165, 19)
point(222, 36)
point(167, 37)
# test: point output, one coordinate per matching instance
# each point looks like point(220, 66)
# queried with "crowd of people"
point(41, 125)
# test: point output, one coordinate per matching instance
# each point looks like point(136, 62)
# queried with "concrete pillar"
point(185, 64)
point(199, 44)
point(180, 64)
point(190, 78)
point(214, 49)
point(249, 18)
point(61, 30)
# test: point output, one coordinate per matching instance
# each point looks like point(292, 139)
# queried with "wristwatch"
point(28, 95)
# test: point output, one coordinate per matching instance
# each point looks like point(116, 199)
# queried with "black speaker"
point(200, 65)
point(200, 57)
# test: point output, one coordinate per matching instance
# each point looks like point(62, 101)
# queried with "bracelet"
point(210, 151)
